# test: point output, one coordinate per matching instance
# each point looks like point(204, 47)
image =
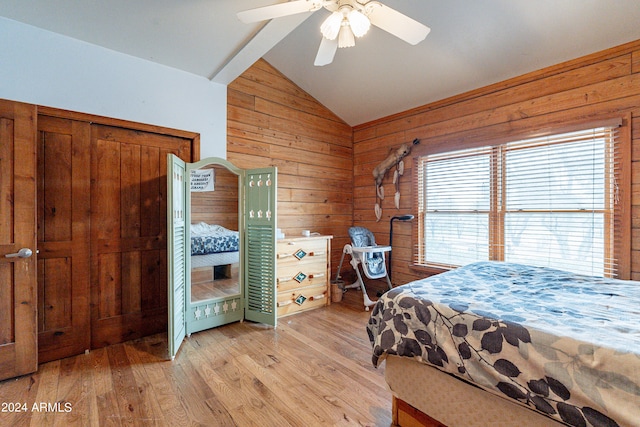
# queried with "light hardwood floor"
point(313, 369)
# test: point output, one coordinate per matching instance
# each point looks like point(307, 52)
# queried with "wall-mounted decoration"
point(202, 180)
point(393, 159)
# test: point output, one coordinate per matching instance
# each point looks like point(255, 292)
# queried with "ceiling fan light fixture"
point(359, 23)
point(331, 26)
point(348, 19)
point(345, 37)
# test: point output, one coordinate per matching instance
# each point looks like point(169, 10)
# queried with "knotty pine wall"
point(604, 84)
point(272, 122)
point(325, 180)
point(220, 206)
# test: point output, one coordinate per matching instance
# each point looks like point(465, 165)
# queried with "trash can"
point(336, 293)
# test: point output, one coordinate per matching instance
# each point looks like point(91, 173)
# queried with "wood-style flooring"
point(314, 369)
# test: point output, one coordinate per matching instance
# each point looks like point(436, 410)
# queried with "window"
point(549, 201)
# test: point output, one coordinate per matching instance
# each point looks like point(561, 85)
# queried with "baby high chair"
point(364, 251)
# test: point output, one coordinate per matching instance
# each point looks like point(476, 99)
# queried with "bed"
point(213, 245)
point(215, 259)
point(562, 347)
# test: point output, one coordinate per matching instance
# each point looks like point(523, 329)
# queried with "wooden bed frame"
point(406, 415)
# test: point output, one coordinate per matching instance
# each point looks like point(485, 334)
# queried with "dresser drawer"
point(301, 252)
point(296, 300)
point(291, 277)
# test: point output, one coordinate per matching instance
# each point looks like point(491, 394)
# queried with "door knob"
point(22, 253)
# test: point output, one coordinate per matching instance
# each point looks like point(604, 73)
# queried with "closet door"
point(18, 313)
point(63, 237)
point(260, 201)
point(128, 232)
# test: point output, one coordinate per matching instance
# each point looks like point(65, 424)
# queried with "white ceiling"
point(472, 43)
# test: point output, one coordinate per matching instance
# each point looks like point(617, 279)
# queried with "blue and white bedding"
point(565, 345)
point(211, 239)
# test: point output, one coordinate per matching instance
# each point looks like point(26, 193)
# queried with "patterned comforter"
point(567, 346)
point(211, 239)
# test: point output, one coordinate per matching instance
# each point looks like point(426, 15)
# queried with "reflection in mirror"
point(214, 234)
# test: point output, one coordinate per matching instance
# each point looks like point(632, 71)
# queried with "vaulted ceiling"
point(472, 43)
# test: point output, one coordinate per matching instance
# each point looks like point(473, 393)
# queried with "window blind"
point(549, 201)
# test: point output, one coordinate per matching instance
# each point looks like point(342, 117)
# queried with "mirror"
point(215, 242)
point(207, 290)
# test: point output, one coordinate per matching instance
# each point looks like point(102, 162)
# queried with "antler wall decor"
point(393, 159)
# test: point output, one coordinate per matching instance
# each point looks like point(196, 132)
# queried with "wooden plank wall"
point(604, 84)
point(219, 206)
point(273, 122)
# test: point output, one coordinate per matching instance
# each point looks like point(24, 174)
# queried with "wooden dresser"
point(303, 273)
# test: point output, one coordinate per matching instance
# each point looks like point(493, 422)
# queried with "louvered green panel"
point(176, 241)
point(260, 254)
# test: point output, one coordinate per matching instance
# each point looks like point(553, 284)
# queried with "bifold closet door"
point(128, 232)
point(63, 237)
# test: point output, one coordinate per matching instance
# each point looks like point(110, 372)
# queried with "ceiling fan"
point(348, 19)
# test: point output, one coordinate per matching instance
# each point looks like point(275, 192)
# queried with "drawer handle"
point(287, 255)
point(283, 303)
point(284, 255)
point(317, 297)
point(289, 279)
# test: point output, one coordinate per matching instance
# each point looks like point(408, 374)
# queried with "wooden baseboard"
point(405, 415)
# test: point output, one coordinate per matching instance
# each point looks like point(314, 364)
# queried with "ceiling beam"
point(267, 37)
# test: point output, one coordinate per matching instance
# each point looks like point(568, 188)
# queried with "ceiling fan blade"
point(278, 10)
point(326, 52)
point(401, 26)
